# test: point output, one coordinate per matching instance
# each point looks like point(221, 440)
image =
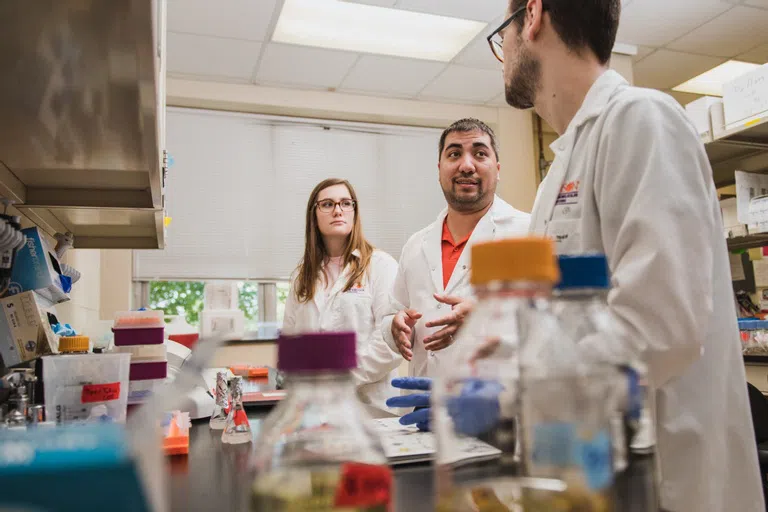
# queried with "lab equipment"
point(139, 328)
point(79, 387)
point(11, 240)
point(318, 449)
point(219, 416)
point(754, 336)
point(517, 381)
point(176, 433)
point(581, 305)
point(237, 429)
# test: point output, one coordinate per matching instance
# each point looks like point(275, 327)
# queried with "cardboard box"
point(37, 268)
point(25, 328)
point(698, 113)
point(746, 97)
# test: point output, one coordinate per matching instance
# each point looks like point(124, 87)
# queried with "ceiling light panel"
point(363, 28)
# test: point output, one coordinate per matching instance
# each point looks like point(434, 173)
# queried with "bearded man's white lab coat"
point(420, 276)
point(631, 179)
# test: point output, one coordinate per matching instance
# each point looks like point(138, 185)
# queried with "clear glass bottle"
point(318, 450)
point(220, 408)
point(581, 304)
point(516, 381)
point(237, 429)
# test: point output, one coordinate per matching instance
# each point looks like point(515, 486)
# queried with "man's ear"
point(533, 19)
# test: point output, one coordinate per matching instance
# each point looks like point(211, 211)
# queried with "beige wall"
point(82, 311)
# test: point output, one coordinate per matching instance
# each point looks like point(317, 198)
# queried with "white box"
point(25, 328)
point(215, 322)
point(144, 352)
point(746, 97)
point(698, 113)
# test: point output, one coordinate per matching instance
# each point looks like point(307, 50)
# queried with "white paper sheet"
point(748, 186)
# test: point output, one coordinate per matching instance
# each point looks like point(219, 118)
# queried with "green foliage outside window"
point(178, 298)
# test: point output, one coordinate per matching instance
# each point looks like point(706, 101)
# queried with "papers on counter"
point(408, 445)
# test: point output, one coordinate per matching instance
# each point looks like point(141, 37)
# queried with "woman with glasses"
point(343, 284)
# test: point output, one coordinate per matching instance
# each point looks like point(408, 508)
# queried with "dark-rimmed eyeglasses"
point(328, 205)
point(496, 40)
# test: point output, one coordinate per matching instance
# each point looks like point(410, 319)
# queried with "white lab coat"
point(420, 276)
point(631, 180)
point(360, 310)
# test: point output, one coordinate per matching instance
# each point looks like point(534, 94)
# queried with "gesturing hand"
point(460, 308)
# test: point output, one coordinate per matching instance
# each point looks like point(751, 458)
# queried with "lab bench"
point(215, 476)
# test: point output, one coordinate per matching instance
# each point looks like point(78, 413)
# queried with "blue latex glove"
point(474, 411)
point(419, 417)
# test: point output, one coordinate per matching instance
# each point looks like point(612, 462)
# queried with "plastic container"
point(148, 370)
point(139, 320)
point(139, 391)
point(318, 450)
point(82, 387)
point(129, 337)
point(516, 380)
point(754, 336)
point(139, 328)
point(144, 352)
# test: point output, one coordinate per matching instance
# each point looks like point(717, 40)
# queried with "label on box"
point(100, 392)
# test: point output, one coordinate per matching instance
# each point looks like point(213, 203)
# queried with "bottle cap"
point(327, 351)
point(514, 259)
point(73, 344)
point(584, 271)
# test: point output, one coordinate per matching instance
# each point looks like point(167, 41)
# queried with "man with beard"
point(631, 180)
point(432, 294)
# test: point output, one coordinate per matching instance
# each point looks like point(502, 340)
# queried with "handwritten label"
point(100, 392)
point(363, 485)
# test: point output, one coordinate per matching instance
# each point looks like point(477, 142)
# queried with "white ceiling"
point(229, 40)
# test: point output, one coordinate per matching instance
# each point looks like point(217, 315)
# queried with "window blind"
point(238, 189)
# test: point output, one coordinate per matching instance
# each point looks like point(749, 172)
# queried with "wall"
point(82, 311)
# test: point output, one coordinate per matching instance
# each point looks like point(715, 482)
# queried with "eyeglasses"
point(496, 40)
point(328, 205)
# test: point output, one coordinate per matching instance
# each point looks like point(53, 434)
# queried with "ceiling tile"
point(728, 35)
point(665, 69)
point(378, 3)
point(763, 4)
point(499, 101)
point(211, 56)
point(466, 84)
point(303, 65)
point(642, 52)
point(658, 22)
point(238, 19)
point(758, 55)
point(480, 10)
point(477, 54)
point(398, 77)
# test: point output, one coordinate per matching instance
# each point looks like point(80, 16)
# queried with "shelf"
point(82, 137)
point(753, 359)
point(747, 242)
point(743, 148)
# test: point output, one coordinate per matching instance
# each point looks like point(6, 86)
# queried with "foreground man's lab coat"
point(420, 276)
point(631, 179)
point(361, 309)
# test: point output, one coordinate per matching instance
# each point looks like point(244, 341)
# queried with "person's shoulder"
point(510, 219)
point(416, 239)
point(632, 104)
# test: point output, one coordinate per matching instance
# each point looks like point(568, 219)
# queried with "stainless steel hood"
point(81, 106)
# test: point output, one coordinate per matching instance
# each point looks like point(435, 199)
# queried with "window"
point(187, 299)
point(178, 298)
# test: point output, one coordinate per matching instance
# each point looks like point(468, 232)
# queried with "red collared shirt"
point(451, 252)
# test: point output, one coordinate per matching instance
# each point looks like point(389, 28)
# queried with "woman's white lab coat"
point(631, 179)
point(361, 310)
point(420, 276)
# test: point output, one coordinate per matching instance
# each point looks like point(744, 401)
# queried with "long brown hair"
point(315, 253)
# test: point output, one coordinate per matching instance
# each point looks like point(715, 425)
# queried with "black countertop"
point(215, 476)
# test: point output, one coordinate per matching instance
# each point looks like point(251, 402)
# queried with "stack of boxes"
point(28, 305)
point(142, 335)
